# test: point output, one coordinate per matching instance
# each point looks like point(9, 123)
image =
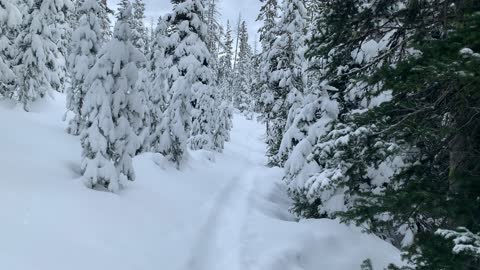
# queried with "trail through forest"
point(221, 211)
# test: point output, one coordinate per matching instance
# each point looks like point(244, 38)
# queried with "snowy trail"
point(218, 240)
point(221, 241)
point(228, 214)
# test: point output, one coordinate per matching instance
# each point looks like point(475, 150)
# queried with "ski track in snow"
point(222, 238)
point(219, 234)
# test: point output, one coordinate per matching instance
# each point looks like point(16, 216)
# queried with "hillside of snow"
point(223, 211)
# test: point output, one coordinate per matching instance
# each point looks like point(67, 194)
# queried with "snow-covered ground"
point(224, 211)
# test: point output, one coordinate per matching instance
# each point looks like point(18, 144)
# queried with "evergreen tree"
point(225, 71)
point(10, 19)
point(159, 97)
point(269, 15)
point(433, 125)
point(203, 83)
point(394, 158)
point(143, 86)
point(111, 108)
point(84, 49)
point(222, 124)
point(139, 31)
point(61, 29)
point(242, 84)
point(188, 79)
point(39, 63)
point(340, 60)
point(105, 23)
point(213, 28)
point(289, 74)
point(284, 65)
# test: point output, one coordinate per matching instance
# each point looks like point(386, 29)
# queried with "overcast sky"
point(230, 9)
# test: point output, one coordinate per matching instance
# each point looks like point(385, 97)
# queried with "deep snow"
point(223, 211)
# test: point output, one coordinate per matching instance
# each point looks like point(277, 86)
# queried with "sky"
point(229, 10)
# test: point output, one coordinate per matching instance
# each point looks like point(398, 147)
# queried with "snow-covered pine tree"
point(429, 122)
point(158, 67)
point(39, 63)
point(151, 36)
point(319, 109)
point(10, 19)
point(202, 83)
point(122, 5)
point(225, 71)
point(143, 88)
point(112, 108)
point(105, 22)
point(139, 40)
point(188, 79)
point(86, 42)
point(214, 28)
point(347, 158)
point(286, 77)
point(320, 184)
point(268, 15)
point(243, 82)
point(73, 17)
point(256, 93)
point(291, 74)
point(224, 95)
point(139, 31)
point(222, 124)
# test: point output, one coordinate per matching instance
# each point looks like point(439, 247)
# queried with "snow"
point(222, 211)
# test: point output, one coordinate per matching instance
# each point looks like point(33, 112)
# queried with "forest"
point(370, 108)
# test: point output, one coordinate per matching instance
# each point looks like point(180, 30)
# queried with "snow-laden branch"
point(465, 241)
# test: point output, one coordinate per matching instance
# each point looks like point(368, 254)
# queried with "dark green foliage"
point(431, 68)
point(435, 114)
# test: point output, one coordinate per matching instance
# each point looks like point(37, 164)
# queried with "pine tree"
point(202, 86)
point(111, 108)
point(159, 97)
point(268, 15)
point(143, 86)
point(222, 124)
point(213, 27)
point(86, 41)
point(225, 94)
point(395, 157)
point(122, 5)
point(432, 122)
point(39, 61)
point(64, 28)
point(285, 78)
point(290, 73)
point(139, 31)
point(105, 22)
point(10, 19)
point(225, 71)
point(323, 184)
point(256, 93)
point(188, 79)
point(243, 81)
